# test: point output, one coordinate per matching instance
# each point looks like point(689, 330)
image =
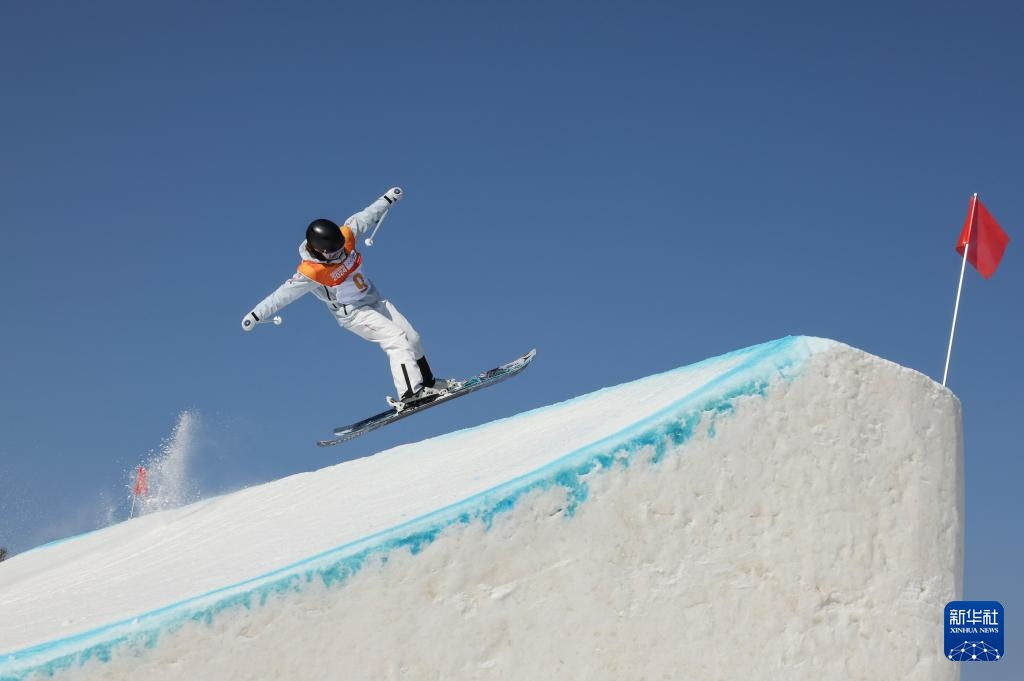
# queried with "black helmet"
point(323, 236)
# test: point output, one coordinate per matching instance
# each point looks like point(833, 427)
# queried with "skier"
point(332, 269)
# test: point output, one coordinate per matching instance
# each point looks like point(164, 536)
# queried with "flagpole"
point(960, 286)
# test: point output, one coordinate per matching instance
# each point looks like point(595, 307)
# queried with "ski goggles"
point(333, 255)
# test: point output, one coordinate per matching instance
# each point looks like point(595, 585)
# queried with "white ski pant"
point(383, 324)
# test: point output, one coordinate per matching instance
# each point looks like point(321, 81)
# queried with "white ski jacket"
point(341, 284)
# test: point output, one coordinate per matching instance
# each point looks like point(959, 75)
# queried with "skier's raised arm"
point(286, 293)
point(366, 219)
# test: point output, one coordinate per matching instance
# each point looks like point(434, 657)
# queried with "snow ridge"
point(715, 388)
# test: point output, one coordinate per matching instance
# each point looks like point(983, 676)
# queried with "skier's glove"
point(249, 321)
point(394, 195)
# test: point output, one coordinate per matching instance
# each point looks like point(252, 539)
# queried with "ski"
point(469, 385)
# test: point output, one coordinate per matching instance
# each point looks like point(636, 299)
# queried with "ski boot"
point(441, 387)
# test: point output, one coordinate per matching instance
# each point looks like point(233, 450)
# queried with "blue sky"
point(628, 187)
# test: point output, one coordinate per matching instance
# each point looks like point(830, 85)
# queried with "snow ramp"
point(792, 510)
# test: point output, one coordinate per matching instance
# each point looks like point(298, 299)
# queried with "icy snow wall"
point(788, 511)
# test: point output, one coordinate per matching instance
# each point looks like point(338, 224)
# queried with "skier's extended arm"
point(366, 219)
point(286, 293)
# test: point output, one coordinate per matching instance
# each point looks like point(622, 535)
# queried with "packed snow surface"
point(790, 510)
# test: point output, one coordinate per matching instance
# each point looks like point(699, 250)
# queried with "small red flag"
point(141, 482)
point(987, 239)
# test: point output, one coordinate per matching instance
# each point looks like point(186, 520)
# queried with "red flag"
point(987, 239)
point(141, 482)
